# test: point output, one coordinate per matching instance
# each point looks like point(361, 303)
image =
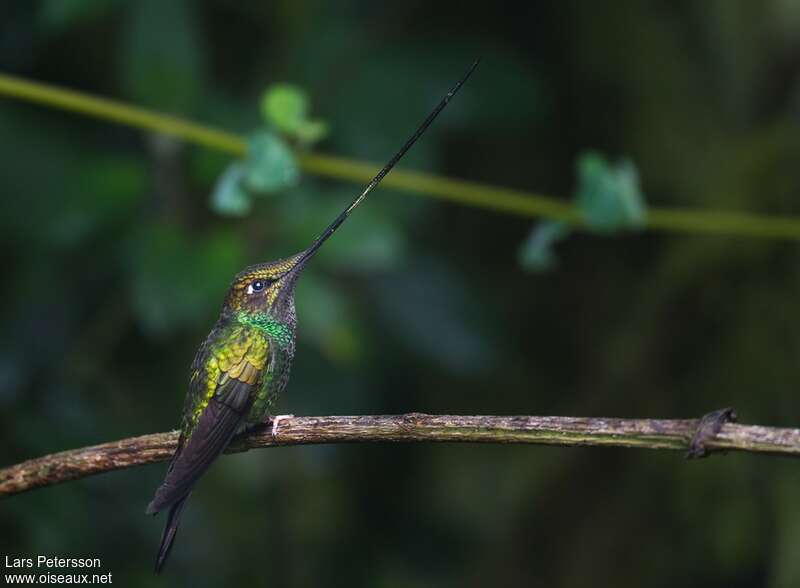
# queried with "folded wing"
point(215, 427)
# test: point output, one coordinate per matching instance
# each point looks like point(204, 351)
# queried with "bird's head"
point(266, 288)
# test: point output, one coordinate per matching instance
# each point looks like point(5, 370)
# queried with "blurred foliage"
point(230, 197)
point(609, 200)
point(608, 196)
point(286, 107)
point(270, 165)
point(536, 252)
point(116, 268)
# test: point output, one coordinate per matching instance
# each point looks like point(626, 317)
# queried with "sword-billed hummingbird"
point(244, 362)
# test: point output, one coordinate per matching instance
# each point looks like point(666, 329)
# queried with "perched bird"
point(244, 362)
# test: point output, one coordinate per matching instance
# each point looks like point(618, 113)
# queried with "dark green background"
point(114, 268)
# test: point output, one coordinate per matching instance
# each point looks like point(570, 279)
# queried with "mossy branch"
point(519, 202)
point(564, 431)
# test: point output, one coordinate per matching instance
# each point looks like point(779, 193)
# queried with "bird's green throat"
point(267, 324)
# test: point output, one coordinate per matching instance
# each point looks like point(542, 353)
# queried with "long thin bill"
point(386, 169)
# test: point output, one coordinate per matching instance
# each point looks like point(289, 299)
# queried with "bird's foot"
point(274, 423)
point(710, 424)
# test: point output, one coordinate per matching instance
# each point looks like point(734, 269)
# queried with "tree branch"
point(565, 431)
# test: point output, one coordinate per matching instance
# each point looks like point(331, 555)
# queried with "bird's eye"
point(256, 286)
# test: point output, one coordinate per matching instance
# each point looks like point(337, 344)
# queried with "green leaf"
point(270, 165)
point(536, 252)
point(609, 197)
point(229, 197)
point(312, 131)
point(285, 107)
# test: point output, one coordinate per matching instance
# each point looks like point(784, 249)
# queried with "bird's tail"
point(170, 530)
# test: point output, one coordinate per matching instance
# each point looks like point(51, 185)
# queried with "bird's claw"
point(708, 428)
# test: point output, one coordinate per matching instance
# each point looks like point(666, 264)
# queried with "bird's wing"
point(235, 378)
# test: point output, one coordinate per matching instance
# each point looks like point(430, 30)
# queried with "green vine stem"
point(518, 202)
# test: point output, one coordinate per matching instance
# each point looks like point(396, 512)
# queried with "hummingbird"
point(243, 365)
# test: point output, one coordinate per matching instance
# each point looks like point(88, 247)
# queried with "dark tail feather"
point(212, 433)
point(170, 530)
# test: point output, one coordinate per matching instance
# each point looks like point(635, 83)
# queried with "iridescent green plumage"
point(252, 347)
point(243, 365)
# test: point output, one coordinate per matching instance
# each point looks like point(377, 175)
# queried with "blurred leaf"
point(536, 252)
point(609, 196)
point(161, 61)
point(229, 196)
point(285, 106)
point(270, 165)
point(312, 131)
